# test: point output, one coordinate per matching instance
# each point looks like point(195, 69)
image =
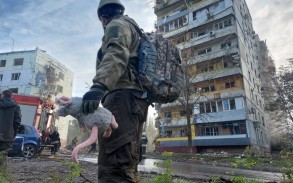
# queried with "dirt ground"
point(47, 168)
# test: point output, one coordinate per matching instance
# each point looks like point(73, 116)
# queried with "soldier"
point(55, 139)
point(74, 142)
point(144, 141)
point(93, 147)
point(10, 120)
point(116, 86)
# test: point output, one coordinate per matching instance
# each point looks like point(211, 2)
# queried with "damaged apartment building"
point(34, 72)
point(218, 44)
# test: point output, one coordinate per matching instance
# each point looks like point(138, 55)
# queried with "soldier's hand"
point(92, 98)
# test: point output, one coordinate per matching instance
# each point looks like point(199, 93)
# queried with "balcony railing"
point(212, 55)
point(162, 4)
point(217, 74)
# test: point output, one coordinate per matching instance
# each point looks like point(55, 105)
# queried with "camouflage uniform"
point(116, 70)
point(10, 120)
point(119, 45)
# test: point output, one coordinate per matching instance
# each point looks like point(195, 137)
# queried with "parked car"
point(27, 143)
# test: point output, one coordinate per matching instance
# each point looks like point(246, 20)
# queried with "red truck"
point(33, 115)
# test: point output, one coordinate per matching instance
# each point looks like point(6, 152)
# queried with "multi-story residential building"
point(34, 72)
point(217, 42)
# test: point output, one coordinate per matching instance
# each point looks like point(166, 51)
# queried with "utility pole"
point(12, 43)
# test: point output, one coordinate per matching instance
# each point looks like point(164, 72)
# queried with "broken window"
point(223, 24)
point(220, 106)
point(167, 114)
point(2, 63)
point(232, 104)
point(226, 45)
point(201, 108)
point(228, 22)
point(208, 107)
point(175, 24)
point(221, 128)
point(183, 133)
point(212, 131)
point(214, 106)
point(15, 76)
point(230, 84)
point(169, 133)
point(204, 51)
point(209, 88)
point(18, 61)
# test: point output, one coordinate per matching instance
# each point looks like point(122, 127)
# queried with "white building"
point(34, 72)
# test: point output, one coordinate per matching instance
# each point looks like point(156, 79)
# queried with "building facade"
point(36, 73)
point(219, 47)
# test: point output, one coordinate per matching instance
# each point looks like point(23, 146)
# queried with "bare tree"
point(191, 94)
point(283, 101)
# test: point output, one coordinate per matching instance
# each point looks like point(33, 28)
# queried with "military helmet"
point(106, 2)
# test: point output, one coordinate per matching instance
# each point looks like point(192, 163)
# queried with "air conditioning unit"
point(212, 33)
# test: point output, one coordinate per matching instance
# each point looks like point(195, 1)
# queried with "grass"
point(261, 163)
point(168, 157)
point(5, 176)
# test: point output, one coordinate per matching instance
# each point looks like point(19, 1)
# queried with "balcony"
point(211, 36)
point(227, 93)
point(172, 17)
point(233, 115)
point(193, 24)
point(174, 122)
point(213, 55)
point(216, 74)
point(163, 7)
point(212, 17)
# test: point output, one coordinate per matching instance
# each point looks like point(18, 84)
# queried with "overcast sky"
point(70, 32)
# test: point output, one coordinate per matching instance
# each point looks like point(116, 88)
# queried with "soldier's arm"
point(117, 41)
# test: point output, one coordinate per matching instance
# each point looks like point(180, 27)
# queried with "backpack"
point(160, 72)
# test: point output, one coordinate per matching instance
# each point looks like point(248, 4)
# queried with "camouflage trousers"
point(119, 154)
